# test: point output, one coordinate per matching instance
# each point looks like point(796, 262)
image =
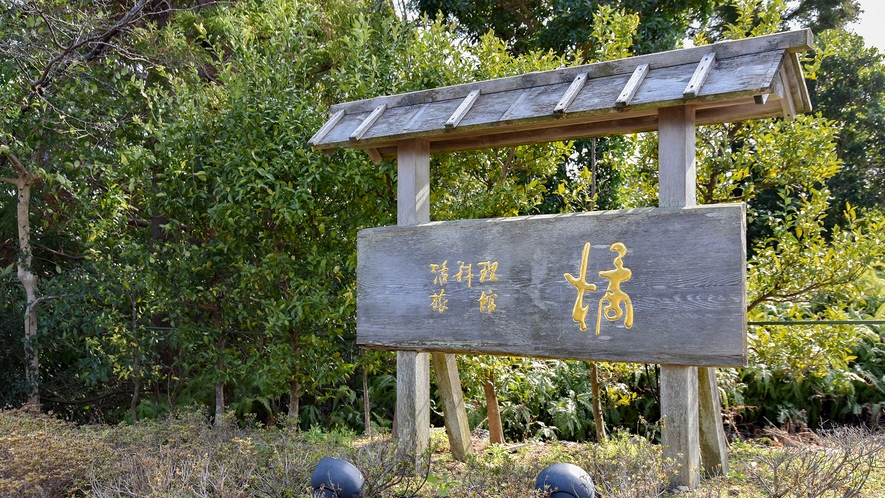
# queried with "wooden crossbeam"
point(632, 86)
point(462, 109)
point(569, 96)
point(700, 74)
point(319, 135)
point(367, 123)
point(787, 103)
point(375, 155)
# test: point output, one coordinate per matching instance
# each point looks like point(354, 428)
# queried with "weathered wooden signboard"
point(662, 286)
point(643, 285)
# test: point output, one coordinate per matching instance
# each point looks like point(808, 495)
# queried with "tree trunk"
point(219, 403)
point(219, 387)
point(367, 414)
point(598, 420)
point(294, 384)
point(27, 278)
point(136, 366)
point(496, 431)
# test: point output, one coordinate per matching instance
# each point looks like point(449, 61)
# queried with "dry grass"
point(184, 456)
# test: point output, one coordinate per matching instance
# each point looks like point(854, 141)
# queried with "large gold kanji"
point(614, 297)
point(579, 311)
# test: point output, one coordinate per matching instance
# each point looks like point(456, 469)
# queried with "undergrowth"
point(185, 455)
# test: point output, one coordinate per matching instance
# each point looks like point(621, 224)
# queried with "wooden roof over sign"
point(729, 81)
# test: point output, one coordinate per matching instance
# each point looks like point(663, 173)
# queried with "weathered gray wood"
point(512, 106)
point(686, 288)
point(679, 384)
point(714, 448)
point(413, 378)
point(570, 94)
point(412, 405)
point(797, 81)
point(367, 123)
point(374, 155)
point(679, 417)
point(462, 109)
point(676, 157)
point(413, 183)
point(326, 128)
point(787, 103)
point(700, 75)
point(791, 41)
point(511, 111)
point(632, 86)
point(412, 368)
point(454, 411)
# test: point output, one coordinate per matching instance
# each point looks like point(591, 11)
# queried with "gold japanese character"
point(487, 271)
point(614, 296)
point(442, 272)
point(487, 302)
point(469, 275)
point(438, 301)
point(579, 311)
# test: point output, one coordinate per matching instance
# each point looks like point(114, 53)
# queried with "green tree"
point(71, 85)
point(849, 87)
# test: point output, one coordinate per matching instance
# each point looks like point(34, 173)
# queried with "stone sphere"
point(565, 480)
point(335, 478)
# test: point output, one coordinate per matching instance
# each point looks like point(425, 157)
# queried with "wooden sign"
point(642, 285)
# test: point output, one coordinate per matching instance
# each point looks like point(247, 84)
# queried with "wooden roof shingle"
point(728, 81)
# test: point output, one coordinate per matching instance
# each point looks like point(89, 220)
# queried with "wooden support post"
point(413, 369)
point(454, 411)
point(679, 411)
point(706, 440)
point(412, 405)
point(679, 383)
point(714, 448)
point(676, 157)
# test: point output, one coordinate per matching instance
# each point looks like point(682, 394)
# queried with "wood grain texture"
point(679, 417)
point(462, 109)
point(714, 448)
point(508, 110)
point(570, 94)
point(790, 41)
point(412, 406)
point(700, 75)
point(632, 86)
point(452, 400)
point(676, 157)
point(687, 287)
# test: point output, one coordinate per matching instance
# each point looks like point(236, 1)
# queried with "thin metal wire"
point(820, 322)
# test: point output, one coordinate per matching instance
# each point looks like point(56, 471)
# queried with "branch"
point(101, 39)
point(16, 163)
point(82, 401)
point(58, 253)
point(48, 24)
point(39, 301)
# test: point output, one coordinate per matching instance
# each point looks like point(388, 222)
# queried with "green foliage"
point(569, 25)
point(848, 86)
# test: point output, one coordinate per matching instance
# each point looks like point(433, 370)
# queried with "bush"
point(41, 455)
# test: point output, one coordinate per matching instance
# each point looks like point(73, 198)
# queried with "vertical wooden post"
point(413, 369)
point(676, 153)
point(679, 384)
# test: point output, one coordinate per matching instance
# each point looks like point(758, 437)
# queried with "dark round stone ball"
point(335, 478)
point(565, 480)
